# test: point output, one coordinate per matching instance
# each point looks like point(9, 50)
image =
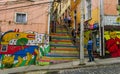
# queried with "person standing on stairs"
point(69, 21)
point(89, 49)
point(74, 32)
point(66, 20)
point(53, 30)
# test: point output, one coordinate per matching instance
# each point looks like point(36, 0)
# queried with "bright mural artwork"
point(22, 48)
point(112, 40)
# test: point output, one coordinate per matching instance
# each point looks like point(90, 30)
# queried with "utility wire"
point(27, 5)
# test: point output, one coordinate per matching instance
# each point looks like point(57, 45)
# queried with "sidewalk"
point(69, 65)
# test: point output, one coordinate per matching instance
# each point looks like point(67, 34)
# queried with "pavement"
point(62, 66)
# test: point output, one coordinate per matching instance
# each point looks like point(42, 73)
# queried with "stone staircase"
point(61, 47)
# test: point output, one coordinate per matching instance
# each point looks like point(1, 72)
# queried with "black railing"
point(69, 31)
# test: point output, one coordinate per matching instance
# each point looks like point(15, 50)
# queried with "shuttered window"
point(118, 2)
point(21, 18)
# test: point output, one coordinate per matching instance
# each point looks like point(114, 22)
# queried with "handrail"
point(69, 32)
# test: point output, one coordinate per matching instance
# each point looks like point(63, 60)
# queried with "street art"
point(112, 41)
point(22, 48)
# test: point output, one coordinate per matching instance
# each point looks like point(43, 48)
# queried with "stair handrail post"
point(82, 33)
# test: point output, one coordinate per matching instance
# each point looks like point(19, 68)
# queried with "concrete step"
point(61, 41)
point(64, 52)
point(58, 34)
point(59, 58)
point(61, 55)
point(63, 49)
point(61, 32)
point(60, 38)
point(63, 45)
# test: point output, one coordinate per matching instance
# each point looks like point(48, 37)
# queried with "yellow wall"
point(95, 16)
point(75, 6)
point(95, 12)
point(62, 7)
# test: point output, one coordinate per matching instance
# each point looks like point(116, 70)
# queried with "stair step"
point(61, 55)
point(63, 37)
point(62, 32)
point(58, 34)
point(56, 38)
point(59, 26)
point(65, 52)
point(54, 61)
point(61, 40)
point(58, 42)
point(63, 45)
point(63, 49)
point(60, 58)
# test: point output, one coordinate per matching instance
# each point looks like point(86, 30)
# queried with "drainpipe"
point(99, 29)
point(102, 50)
point(49, 14)
point(82, 33)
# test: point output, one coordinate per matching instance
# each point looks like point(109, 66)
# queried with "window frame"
point(118, 2)
point(89, 9)
point(16, 18)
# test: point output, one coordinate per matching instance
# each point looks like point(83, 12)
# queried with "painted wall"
point(95, 12)
point(75, 6)
point(22, 48)
point(23, 44)
point(37, 16)
point(110, 7)
point(112, 41)
point(64, 5)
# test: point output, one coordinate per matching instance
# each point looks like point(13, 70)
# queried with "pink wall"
point(37, 16)
point(110, 7)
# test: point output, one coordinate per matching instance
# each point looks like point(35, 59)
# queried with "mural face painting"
point(22, 48)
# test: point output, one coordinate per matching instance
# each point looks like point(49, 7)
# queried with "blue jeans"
point(91, 58)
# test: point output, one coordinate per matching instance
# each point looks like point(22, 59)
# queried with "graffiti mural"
point(22, 48)
point(112, 40)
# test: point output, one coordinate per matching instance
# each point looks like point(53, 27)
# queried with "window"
point(118, 2)
point(21, 18)
point(88, 7)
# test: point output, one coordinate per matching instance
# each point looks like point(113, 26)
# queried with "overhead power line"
point(26, 5)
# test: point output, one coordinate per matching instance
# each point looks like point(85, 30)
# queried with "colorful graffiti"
point(22, 48)
point(113, 43)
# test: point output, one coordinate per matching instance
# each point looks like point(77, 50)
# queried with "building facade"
point(24, 32)
point(106, 16)
point(97, 14)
